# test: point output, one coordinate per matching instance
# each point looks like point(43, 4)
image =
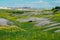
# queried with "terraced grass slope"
point(28, 30)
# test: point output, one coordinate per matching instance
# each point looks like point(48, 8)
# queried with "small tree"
point(57, 8)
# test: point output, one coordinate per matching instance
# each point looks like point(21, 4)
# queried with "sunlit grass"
point(27, 30)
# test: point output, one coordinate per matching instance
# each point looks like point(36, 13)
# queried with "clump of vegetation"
point(56, 9)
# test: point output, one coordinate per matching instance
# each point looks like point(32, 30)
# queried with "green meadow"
point(27, 30)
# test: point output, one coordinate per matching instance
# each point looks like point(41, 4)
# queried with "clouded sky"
point(30, 3)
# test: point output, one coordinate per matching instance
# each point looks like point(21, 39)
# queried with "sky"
point(30, 3)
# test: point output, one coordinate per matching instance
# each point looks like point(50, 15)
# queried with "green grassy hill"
point(28, 30)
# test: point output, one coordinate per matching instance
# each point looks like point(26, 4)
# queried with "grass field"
point(28, 30)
